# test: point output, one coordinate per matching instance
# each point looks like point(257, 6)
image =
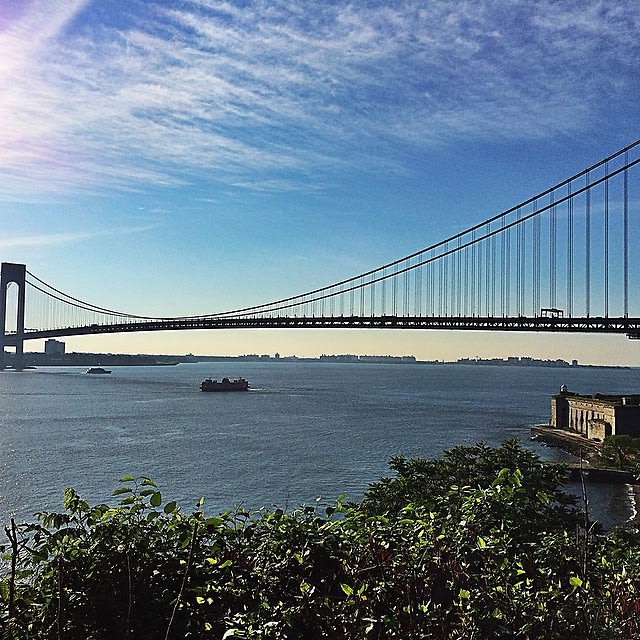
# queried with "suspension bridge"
point(563, 260)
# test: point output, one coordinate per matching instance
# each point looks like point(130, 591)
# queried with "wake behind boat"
point(239, 384)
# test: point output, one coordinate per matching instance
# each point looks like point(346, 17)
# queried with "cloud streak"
point(276, 94)
point(51, 239)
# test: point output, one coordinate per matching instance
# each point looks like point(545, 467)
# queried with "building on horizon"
point(54, 347)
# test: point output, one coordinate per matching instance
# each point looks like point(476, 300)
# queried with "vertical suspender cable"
point(479, 282)
point(552, 253)
point(432, 278)
point(587, 248)
point(606, 241)
point(459, 272)
point(518, 270)
point(494, 279)
point(492, 240)
point(487, 273)
point(454, 293)
point(535, 267)
point(428, 290)
point(394, 290)
point(569, 252)
point(507, 279)
point(473, 273)
point(440, 286)
point(406, 289)
point(372, 300)
point(466, 281)
point(418, 285)
point(625, 212)
point(445, 280)
point(523, 265)
point(502, 272)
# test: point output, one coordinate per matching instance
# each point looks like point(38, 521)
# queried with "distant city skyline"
point(55, 353)
point(169, 159)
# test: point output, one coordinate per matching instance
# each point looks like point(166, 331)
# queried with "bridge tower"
point(10, 272)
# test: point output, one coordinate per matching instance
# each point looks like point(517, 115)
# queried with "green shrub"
point(480, 544)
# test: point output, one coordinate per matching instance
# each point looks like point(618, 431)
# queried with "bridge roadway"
point(610, 325)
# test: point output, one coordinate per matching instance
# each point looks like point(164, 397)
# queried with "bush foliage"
point(482, 543)
point(619, 452)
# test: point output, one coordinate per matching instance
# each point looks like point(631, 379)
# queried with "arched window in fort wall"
point(577, 421)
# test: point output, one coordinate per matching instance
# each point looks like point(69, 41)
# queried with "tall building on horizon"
point(54, 347)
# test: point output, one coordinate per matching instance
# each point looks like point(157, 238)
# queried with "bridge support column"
point(10, 272)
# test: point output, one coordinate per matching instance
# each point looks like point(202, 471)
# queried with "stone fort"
point(596, 416)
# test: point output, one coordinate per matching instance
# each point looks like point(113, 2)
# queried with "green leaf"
point(481, 543)
point(543, 497)
point(304, 587)
point(575, 582)
point(148, 482)
point(122, 490)
point(346, 588)
point(170, 507)
point(127, 479)
point(156, 499)
point(214, 522)
point(464, 594)
point(225, 564)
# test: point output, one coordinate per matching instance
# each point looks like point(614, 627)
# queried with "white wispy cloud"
point(251, 95)
point(73, 237)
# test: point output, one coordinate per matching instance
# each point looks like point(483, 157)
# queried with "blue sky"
point(175, 158)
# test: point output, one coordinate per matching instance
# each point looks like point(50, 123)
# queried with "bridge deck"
point(618, 325)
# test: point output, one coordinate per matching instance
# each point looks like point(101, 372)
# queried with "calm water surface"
point(303, 431)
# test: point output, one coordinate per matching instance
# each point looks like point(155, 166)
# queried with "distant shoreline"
point(37, 359)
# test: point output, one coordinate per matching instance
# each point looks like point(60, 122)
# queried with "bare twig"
point(13, 538)
point(130, 604)
point(588, 527)
point(60, 599)
point(184, 579)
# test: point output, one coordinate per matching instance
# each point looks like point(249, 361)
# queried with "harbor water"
point(304, 430)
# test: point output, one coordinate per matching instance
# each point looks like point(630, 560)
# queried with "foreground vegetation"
point(619, 452)
point(481, 543)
